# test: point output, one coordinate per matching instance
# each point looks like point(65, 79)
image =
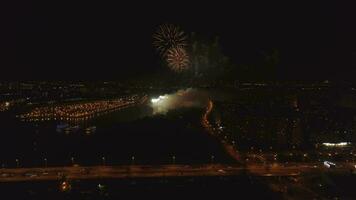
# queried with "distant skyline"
point(103, 41)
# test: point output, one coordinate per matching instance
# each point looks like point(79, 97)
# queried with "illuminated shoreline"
point(80, 111)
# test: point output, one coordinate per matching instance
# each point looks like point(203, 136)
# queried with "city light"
point(80, 110)
point(173, 99)
point(340, 144)
point(65, 186)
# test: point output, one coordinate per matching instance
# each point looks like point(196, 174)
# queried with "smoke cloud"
point(181, 99)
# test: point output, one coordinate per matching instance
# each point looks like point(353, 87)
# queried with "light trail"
point(230, 149)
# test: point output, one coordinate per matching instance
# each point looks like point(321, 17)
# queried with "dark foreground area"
point(312, 186)
point(241, 187)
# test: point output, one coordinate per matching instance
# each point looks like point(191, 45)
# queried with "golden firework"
point(169, 36)
point(177, 59)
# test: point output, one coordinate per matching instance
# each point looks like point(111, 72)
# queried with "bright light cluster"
point(80, 110)
point(329, 164)
point(340, 144)
point(155, 100)
point(4, 106)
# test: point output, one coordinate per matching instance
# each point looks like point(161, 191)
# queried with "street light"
point(173, 159)
point(103, 160)
point(17, 163)
point(45, 162)
point(132, 159)
point(72, 160)
point(212, 158)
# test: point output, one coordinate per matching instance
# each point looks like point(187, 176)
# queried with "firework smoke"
point(181, 99)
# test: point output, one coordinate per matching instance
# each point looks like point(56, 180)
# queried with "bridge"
point(148, 171)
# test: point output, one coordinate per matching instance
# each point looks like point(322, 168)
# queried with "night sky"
point(114, 41)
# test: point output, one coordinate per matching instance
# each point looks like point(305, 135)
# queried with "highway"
point(142, 171)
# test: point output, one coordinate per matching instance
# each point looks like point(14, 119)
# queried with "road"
point(229, 148)
point(142, 171)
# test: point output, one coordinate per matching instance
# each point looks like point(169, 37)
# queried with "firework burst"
point(177, 59)
point(169, 36)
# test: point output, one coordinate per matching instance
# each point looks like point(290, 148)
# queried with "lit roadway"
point(229, 148)
point(138, 171)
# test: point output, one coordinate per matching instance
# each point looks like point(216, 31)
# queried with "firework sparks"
point(177, 59)
point(168, 36)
